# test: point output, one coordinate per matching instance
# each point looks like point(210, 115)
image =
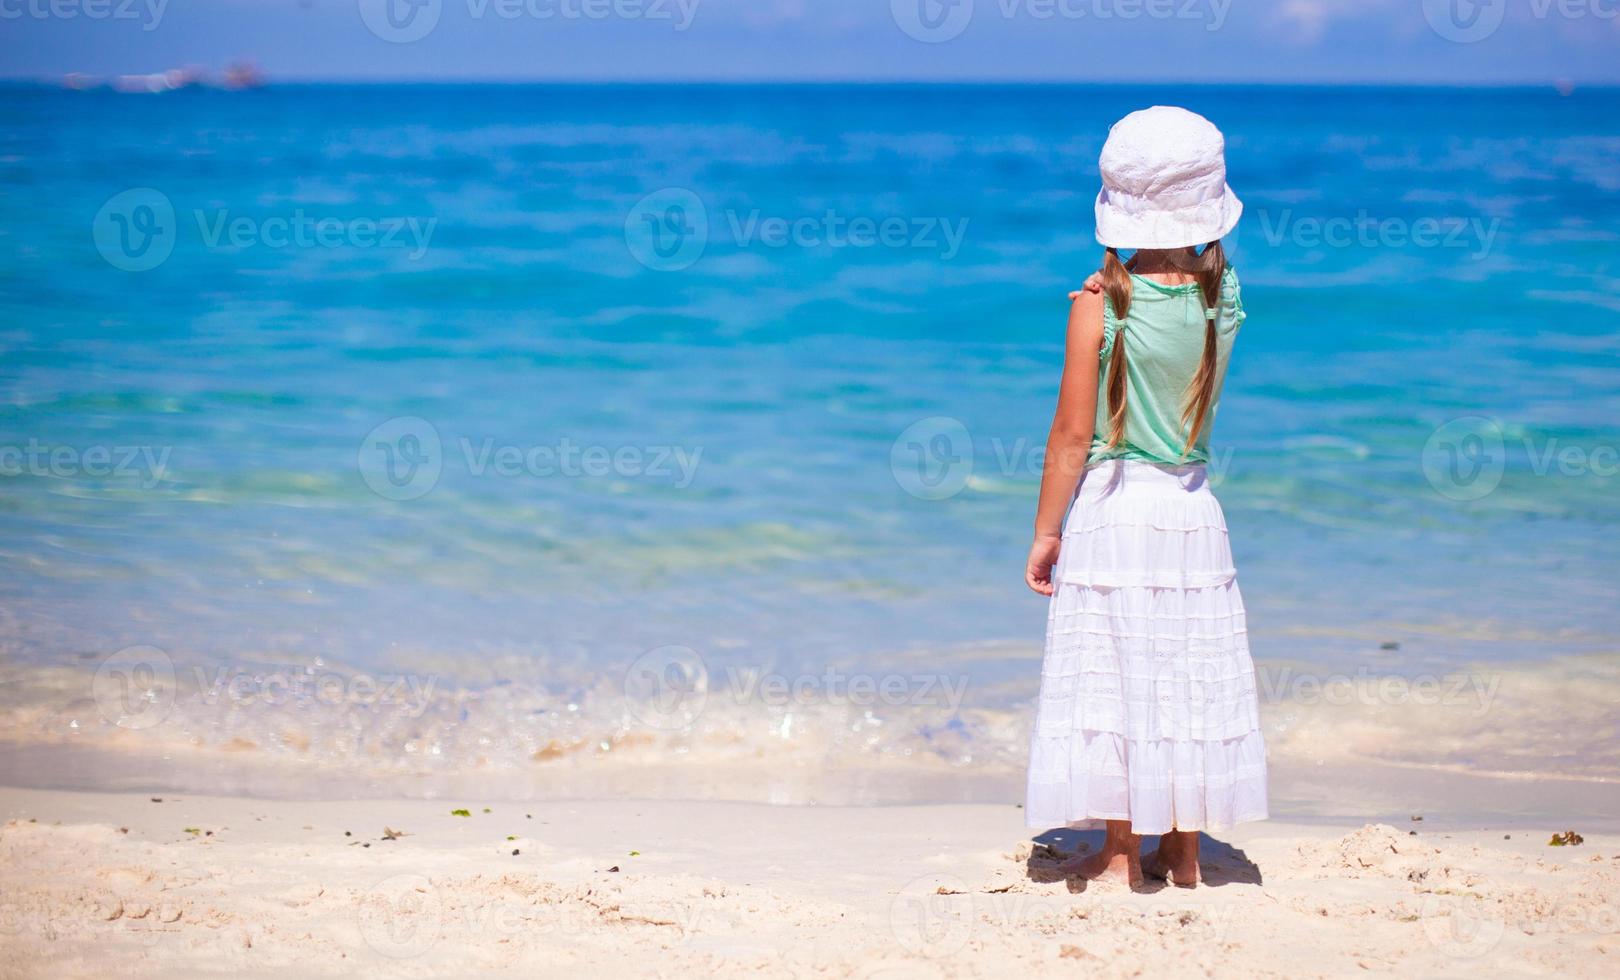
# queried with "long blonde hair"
point(1209, 269)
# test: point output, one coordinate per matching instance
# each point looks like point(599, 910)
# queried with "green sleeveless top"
point(1164, 344)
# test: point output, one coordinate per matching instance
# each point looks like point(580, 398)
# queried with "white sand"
point(114, 885)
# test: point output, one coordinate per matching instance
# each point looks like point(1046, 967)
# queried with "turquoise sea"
point(527, 395)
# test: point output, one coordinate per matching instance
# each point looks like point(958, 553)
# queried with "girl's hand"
point(1043, 554)
point(1093, 285)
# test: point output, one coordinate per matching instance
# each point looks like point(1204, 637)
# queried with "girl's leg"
point(1119, 860)
point(1176, 860)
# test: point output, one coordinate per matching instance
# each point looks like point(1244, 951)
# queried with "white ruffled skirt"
point(1148, 710)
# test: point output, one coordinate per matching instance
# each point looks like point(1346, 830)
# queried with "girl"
point(1148, 717)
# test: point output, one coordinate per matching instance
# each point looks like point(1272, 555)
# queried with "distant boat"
point(141, 84)
point(243, 75)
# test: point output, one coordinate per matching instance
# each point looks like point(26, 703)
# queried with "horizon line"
point(1557, 84)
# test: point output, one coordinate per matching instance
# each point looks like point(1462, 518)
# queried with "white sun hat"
point(1164, 182)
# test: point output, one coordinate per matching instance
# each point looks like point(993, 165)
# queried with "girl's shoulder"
point(1229, 279)
point(1230, 286)
point(1232, 297)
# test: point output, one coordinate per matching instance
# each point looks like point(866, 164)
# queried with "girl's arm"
point(1069, 443)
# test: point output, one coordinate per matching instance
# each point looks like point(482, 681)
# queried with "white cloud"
point(772, 13)
point(1307, 21)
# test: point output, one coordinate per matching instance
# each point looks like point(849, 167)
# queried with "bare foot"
point(1176, 860)
point(1119, 860)
point(1122, 867)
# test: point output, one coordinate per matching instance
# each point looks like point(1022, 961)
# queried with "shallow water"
point(503, 426)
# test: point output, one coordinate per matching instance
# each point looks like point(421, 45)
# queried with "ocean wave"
point(403, 733)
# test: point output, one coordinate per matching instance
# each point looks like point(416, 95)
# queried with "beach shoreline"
point(136, 885)
point(1490, 743)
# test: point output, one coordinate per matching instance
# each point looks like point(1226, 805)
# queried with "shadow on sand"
point(1218, 863)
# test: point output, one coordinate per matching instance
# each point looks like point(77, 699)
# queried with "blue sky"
point(1336, 41)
